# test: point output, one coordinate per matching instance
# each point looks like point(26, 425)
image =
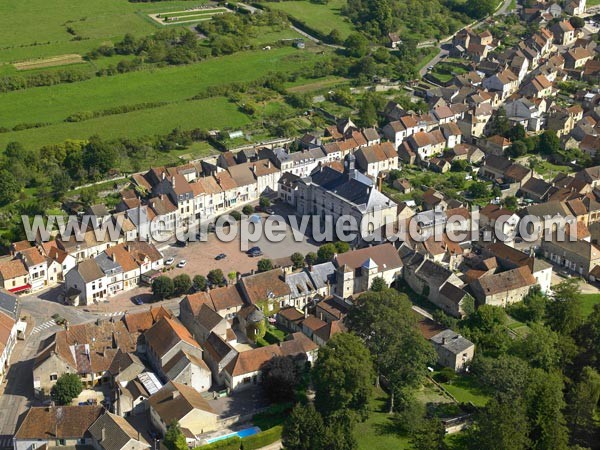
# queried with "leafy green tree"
point(341, 247)
point(9, 187)
point(334, 37)
point(429, 435)
point(378, 284)
point(199, 282)
point(280, 376)
point(339, 432)
point(516, 149)
point(479, 189)
point(248, 210)
point(236, 215)
point(162, 287)
point(304, 429)
point(583, 402)
point(99, 156)
point(343, 376)
point(311, 258)
point(516, 133)
point(67, 387)
point(385, 322)
point(564, 313)
point(174, 437)
point(540, 347)
point(577, 22)
point(326, 252)
point(506, 375)
point(264, 265)
point(182, 284)
point(216, 277)
point(588, 339)
point(501, 425)
point(264, 202)
point(297, 259)
point(548, 143)
point(356, 45)
point(545, 405)
point(232, 276)
point(499, 123)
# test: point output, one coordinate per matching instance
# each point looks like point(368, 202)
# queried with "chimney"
point(268, 163)
point(164, 175)
point(443, 341)
point(175, 394)
point(173, 181)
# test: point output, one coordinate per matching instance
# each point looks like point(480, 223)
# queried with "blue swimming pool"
point(242, 434)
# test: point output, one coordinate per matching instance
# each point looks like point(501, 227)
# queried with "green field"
point(38, 28)
point(174, 85)
point(322, 18)
point(465, 390)
point(589, 301)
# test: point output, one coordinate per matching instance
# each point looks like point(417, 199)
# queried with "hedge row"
point(271, 337)
point(232, 443)
point(262, 439)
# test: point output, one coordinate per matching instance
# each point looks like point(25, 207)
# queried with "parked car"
point(169, 261)
point(181, 243)
point(220, 256)
point(269, 211)
point(181, 264)
point(253, 249)
point(138, 300)
point(255, 253)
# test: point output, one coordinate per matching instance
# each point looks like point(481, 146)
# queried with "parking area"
point(200, 259)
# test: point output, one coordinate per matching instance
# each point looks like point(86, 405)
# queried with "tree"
point(264, 202)
point(341, 247)
point(588, 339)
point(311, 258)
point(297, 259)
point(478, 9)
point(67, 387)
point(577, 22)
point(356, 45)
point(236, 215)
point(429, 435)
point(516, 149)
point(343, 376)
point(511, 203)
point(540, 347)
point(545, 404)
point(174, 437)
point(162, 287)
point(9, 187)
point(499, 123)
point(548, 143)
point(304, 429)
point(264, 265)
point(479, 189)
point(564, 313)
point(378, 284)
point(279, 376)
point(501, 425)
point(583, 401)
point(199, 282)
point(334, 37)
point(326, 252)
point(385, 322)
point(216, 277)
point(516, 133)
point(99, 156)
point(232, 276)
point(339, 432)
point(182, 284)
point(248, 210)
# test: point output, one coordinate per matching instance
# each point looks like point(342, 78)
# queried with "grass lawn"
point(589, 300)
point(175, 85)
point(465, 389)
point(323, 18)
point(210, 113)
point(38, 28)
point(378, 431)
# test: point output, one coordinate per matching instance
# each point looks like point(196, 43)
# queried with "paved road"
point(314, 39)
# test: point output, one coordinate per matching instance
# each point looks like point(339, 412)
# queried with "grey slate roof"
point(116, 430)
point(320, 274)
point(454, 343)
point(10, 305)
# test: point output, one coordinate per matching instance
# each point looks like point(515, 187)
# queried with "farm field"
point(323, 18)
point(182, 17)
point(210, 113)
point(39, 28)
point(53, 104)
